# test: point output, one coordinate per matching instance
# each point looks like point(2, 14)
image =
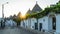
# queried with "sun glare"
point(23, 16)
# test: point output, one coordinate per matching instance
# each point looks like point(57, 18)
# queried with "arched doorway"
point(52, 22)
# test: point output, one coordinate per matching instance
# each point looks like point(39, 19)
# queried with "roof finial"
point(36, 2)
point(29, 9)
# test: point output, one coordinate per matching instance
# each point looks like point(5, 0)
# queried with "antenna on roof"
point(36, 2)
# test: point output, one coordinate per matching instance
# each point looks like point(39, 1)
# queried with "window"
point(32, 26)
point(44, 20)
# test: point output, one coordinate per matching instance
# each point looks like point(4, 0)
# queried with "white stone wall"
point(21, 24)
point(50, 24)
point(44, 21)
point(33, 21)
point(58, 23)
point(10, 23)
point(26, 23)
point(29, 22)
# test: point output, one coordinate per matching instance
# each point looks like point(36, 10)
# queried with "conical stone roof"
point(36, 8)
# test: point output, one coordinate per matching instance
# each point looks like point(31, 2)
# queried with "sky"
point(16, 6)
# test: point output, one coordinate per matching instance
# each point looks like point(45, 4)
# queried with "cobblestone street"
point(14, 31)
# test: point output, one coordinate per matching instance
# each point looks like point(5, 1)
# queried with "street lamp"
point(2, 21)
point(3, 9)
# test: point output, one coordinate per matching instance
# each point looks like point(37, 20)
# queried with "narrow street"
point(15, 30)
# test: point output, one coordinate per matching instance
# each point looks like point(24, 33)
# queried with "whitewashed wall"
point(58, 23)
point(21, 24)
point(33, 21)
point(10, 23)
point(29, 22)
point(50, 24)
point(44, 21)
point(25, 23)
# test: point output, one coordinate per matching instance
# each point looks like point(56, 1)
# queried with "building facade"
point(49, 23)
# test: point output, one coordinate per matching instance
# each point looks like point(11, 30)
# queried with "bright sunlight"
point(22, 16)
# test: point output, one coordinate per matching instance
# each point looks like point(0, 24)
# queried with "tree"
point(17, 19)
